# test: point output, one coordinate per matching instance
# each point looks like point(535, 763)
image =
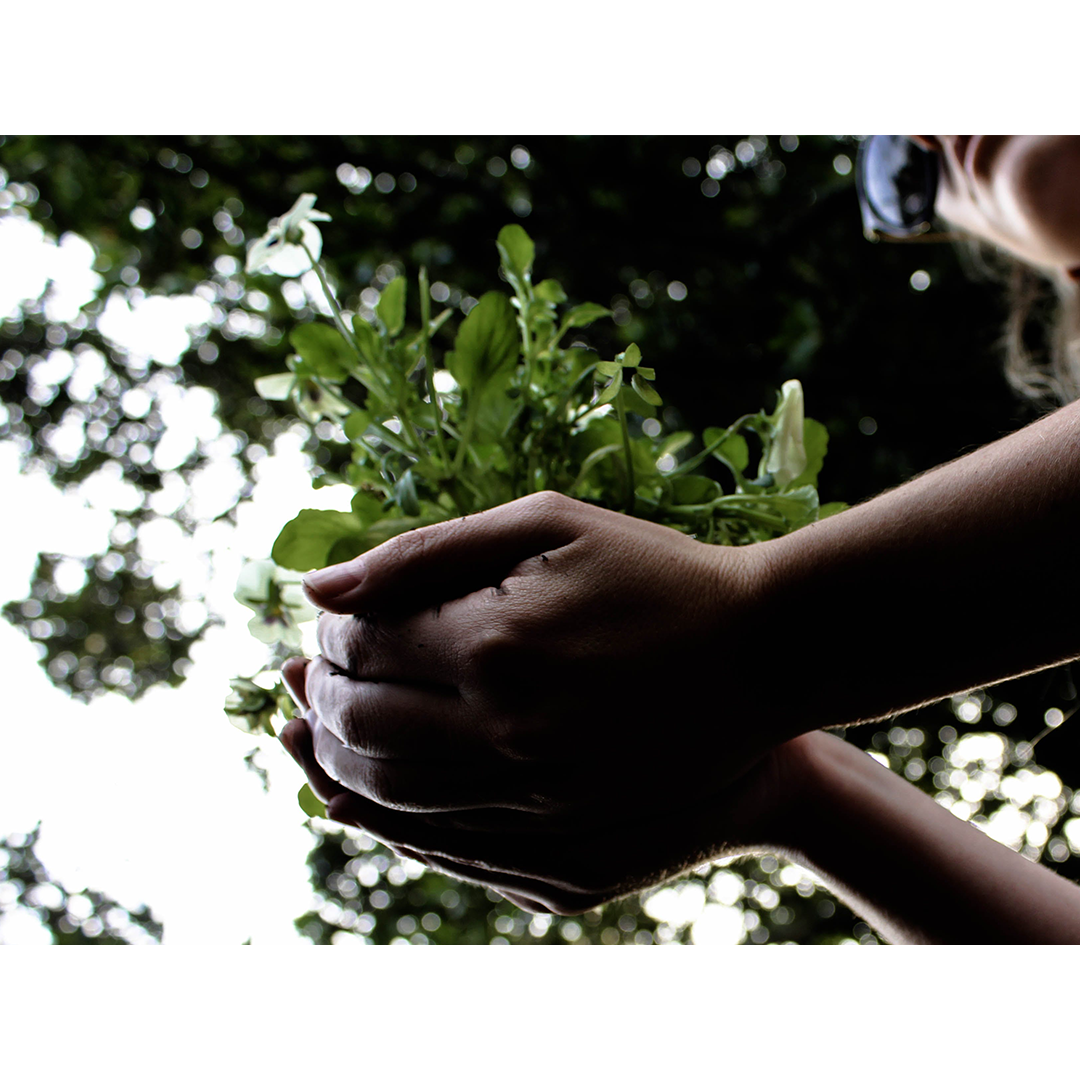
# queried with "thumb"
point(451, 559)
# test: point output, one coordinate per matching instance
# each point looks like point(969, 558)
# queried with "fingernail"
point(334, 580)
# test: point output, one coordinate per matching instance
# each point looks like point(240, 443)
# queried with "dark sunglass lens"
point(914, 205)
point(898, 181)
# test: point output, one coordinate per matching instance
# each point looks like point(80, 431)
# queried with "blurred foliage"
point(118, 632)
point(736, 262)
point(365, 894)
point(85, 917)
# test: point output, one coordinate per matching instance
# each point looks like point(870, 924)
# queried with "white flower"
point(276, 597)
point(787, 455)
point(279, 248)
point(303, 210)
point(253, 583)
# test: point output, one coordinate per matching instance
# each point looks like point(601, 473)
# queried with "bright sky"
point(149, 802)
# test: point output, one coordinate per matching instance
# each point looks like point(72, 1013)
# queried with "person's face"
point(1021, 192)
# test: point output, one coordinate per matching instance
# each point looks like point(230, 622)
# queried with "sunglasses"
point(897, 183)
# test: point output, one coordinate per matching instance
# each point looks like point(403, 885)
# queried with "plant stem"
point(630, 484)
point(429, 367)
point(335, 308)
point(466, 436)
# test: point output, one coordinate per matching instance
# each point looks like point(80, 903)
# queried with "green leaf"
point(495, 412)
point(584, 315)
point(516, 251)
point(356, 423)
point(647, 372)
point(367, 506)
point(796, 508)
point(405, 493)
point(551, 291)
point(596, 456)
point(323, 350)
point(829, 509)
point(309, 802)
point(391, 306)
point(305, 542)
point(645, 390)
point(384, 434)
point(732, 450)
point(635, 403)
point(611, 390)
point(367, 340)
point(390, 527)
point(275, 387)
point(694, 490)
point(487, 345)
point(346, 549)
point(607, 368)
point(675, 442)
point(631, 357)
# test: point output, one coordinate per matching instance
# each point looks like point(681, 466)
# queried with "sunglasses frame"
point(874, 227)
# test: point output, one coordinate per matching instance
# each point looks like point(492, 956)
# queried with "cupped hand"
point(546, 657)
point(561, 871)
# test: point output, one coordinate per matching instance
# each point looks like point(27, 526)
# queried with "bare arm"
point(910, 868)
point(960, 578)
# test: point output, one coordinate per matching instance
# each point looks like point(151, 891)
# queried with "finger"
point(393, 720)
point(515, 855)
point(408, 786)
point(527, 905)
point(530, 894)
point(593, 863)
point(441, 646)
point(420, 649)
point(297, 739)
point(292, 672)
point(449, 559)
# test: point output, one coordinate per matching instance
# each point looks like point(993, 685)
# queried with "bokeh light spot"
point(142, 218)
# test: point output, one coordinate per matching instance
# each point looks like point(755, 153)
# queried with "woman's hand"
point(582, 668)
point(541, 868)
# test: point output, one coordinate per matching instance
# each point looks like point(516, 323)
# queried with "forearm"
point(960, 578)
point(910, 868)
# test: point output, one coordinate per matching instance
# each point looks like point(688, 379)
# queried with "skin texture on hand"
point(571, 673)
point(559, 870)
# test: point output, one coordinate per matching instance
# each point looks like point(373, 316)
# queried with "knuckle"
point(493, 656)
point(354, 728)
point(550, 503)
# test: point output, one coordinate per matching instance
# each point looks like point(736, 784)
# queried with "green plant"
point(520, 403)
